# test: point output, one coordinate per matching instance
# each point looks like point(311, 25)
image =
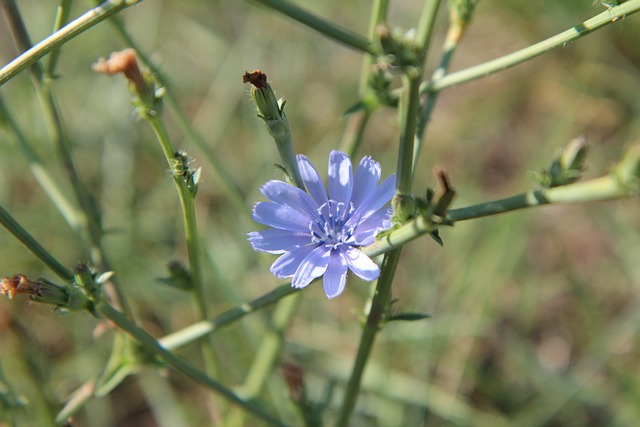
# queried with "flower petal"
point(361, 264)
point(287, 264)
point(278, 241)
point(340, 177)
point(336, 275)
point(289, 195)
point(365, 180)
point(314, 265)
point(365, 231)
point(312, 180)
point(280, 216)
point(377, 199)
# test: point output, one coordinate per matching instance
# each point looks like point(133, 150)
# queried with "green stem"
point(12, 226)
point(191, 235)
point(189, 216)
point(227, 184)
point(76, 219)
point(61, 141)
point(379, 13)
point(410, 107)
point(62, 17)
point(321, 25)
point(154, 347)
point(68, 32)
point(604, 188)
point(374, 319)
point(354, 131)
point(454, 34)
point(197, 330)
point(426, 23)
point(270, 346)
point(615, 14)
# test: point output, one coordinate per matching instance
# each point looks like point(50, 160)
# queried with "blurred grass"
point(535, 314)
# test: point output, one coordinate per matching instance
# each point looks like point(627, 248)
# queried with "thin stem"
point(74, 218)
point(197, 330)
point(68, 32)
point(410, 108)
point(604, 188)
point(12, 226)
point(454, 35)
point(191, 236)
point(379, 13)
point(426, 23)
point(227, 184)
point(191, 233)
point(62, 17)
point(321, 25)
point(371, 328)
point(56, 129)
point(154, 347)
point(354, 131)
point(610, 16)
point(270, 346)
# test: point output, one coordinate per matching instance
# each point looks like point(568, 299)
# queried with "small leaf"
point(408, 317)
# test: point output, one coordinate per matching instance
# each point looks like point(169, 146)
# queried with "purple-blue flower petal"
point(314, 265)
point(365, 180)
point(336, 275)
point(380, 197)
point(312, 180)
point(286, 266)
point(361, 264)
point(286, 194)
point(280, 216)
point(276, 241)
point(366, 230)
point(340, 177)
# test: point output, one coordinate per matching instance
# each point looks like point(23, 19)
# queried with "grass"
point(534, 314)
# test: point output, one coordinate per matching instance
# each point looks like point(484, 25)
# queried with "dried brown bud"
point(18, 284)
point(256, 78)
point(125, 62)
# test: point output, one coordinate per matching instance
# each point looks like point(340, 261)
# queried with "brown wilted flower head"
point(18, 284)
point(125, 62)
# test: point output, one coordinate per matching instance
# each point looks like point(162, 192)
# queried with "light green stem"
point(379, 12)
point(615, 14)
point(189, 217)
point(191, 237)
point(409, 111)
point(197, 330)
point(75, 218)
point(56, 129)
point(154, 347)
point(321, 25)
point(603, 188)
point(452, 40)
point(227, 184)
point(69, 31)
point(12, 226)
point(62, 17)
point(367, 339)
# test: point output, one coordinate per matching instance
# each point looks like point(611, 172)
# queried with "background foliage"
point(534, 314)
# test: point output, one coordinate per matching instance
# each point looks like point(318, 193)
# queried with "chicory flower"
point(318, 233)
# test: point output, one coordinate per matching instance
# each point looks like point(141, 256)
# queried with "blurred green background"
point(535, 314)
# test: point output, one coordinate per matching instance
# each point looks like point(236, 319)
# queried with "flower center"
point(329, 224)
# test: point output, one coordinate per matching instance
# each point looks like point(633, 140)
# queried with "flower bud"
point(66, 297)
point(146, 93)
point(270, 109)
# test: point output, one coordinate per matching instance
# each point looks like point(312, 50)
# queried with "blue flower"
point(319, 234)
